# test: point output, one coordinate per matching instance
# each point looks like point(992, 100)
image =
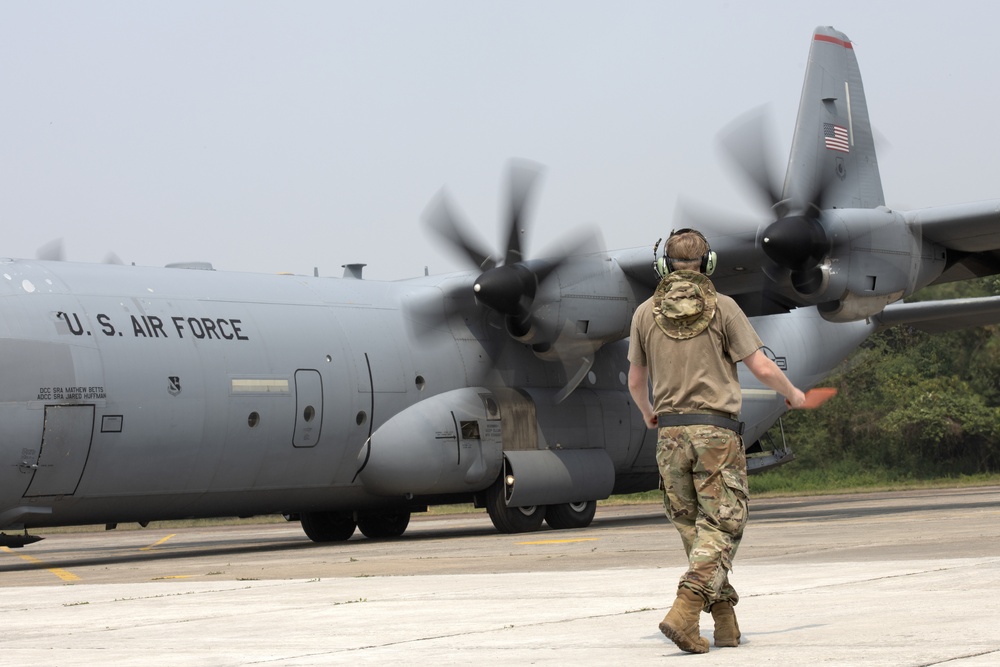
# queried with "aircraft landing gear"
point(328, 526)
point(571, 515)
point(511, 519)
point(387, 523)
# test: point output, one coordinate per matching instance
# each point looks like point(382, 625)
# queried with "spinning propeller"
point(508, 286)
point(796, 246)
point(509, 283)
point(54, 251)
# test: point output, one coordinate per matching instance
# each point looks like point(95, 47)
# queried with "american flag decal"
point(835, 137)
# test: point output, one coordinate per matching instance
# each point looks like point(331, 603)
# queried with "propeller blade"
point(746, 142)
point(441, 218)
point(576, 356)
point(710, 220)
point(588, 241)
point(584, 364)
point(433, 310)
point(522, 178)
point(52, 251)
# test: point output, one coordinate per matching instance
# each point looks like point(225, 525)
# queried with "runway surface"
point(908, 578)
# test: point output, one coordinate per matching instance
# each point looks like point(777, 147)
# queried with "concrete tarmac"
point(909, 578)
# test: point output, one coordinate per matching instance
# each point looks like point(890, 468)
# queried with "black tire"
point(328, 526)
point(387, 523)
point(512, 519)
point(570, 515)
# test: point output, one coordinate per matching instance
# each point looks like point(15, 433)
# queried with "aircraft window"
point(420, 382)
point(309, 413)
point(470, 430)
point(492, 407)
point(253, 419)
point(361, 418)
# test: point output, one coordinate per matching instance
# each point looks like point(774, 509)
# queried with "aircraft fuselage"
point(138, 394)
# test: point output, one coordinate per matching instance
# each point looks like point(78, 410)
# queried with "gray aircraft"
point(134, 394)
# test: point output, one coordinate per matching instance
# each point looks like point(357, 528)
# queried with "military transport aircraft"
point(133, 394)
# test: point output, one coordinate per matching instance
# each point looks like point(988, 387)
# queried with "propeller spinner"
point(796, 244)
point(507, 286)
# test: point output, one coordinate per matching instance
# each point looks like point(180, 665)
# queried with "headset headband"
point(664, 264)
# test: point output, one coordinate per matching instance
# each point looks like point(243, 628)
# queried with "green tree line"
point(910, 405)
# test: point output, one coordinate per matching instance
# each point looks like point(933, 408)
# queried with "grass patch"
point(640, 498)
point(461, 508)
point(839, 479)
point(851, 478)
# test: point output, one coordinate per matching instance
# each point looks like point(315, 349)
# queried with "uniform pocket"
point(734, 503)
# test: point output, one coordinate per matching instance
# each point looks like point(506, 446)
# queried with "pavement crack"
point(886, 577)
point(959, 657)
point(451, 635)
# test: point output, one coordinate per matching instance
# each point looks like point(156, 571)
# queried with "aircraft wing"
point(970, 232)
point(940, 316)
point(737, 274)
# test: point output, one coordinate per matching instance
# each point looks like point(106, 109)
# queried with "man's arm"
point(771, 376)
point(638, 386)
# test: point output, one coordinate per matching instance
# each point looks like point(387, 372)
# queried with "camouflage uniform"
point(692, 338)
point(705, 496)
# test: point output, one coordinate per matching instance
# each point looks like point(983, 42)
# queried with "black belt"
point(673, 419)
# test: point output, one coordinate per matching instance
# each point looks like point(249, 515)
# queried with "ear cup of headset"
point(708, 262)
point(664, 265)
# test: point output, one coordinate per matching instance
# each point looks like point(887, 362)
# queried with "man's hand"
point(638, 386)
point(797, 400)
point(814, 398)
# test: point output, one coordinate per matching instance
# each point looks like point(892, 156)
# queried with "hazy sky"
point(266, 136)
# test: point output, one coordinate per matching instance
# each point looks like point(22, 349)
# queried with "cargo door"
point(66, 438)
point(308, 408)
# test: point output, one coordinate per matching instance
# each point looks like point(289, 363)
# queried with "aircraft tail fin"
point(833, 151)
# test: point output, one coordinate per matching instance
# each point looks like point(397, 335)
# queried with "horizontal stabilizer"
point(940, 316)
point(973, 227)
point(970, 232)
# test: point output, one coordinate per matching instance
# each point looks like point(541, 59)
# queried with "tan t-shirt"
point(699, 373)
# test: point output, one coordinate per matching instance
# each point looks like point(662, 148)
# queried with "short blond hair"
point(687, 245)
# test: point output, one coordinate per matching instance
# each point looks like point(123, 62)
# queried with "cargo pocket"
point(733, 505)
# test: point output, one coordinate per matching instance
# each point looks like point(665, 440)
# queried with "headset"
point(663, 265)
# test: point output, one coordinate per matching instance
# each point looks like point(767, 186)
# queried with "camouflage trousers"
point(704, 472)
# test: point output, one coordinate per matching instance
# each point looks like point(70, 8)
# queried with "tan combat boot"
point(727, 630)
point(680, 624)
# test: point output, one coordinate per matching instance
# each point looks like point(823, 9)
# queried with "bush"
point(909, 405)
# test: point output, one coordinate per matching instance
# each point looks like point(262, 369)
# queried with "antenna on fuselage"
point(353, 270)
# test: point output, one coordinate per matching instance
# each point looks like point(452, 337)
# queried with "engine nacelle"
point(876, 259)
point(584, 303)
point(462, 440)
point(449, 443)
point(853, 307)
